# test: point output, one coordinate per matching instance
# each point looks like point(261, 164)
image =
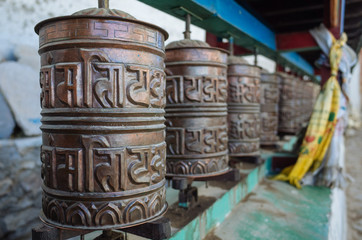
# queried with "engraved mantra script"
point(240, 92)
point(202, 141)
point(244, 127)
point(108, 169)
point(269, 123)
point(96, 82)
point(208, 89)
point(240, 147)
point(270, 95)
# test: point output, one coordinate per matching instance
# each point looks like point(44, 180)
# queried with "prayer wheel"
point(297, 101)
point(309, 101)
point(103, 96)
point(243, 108)
point(305, 97)
point(269, 97)
point(300, 102)
point(196, 109)
point(288, 122)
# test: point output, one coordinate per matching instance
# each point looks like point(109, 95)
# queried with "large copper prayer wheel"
point(103, 96)
point(196, 110)
point(299, 102)
point(288, 122)
point(269, 109)
point(243, 108)
point(308, 102)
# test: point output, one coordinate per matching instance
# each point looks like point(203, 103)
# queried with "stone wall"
point(20, 191)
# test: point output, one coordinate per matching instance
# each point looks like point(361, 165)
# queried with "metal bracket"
point(157, 229)
point(273, 146)
point(250, 159)
point(47, 232)
point(188, 195)
point(110, 235)
point(185, 10)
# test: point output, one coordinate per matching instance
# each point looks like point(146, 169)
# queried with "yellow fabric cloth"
point(322, 123)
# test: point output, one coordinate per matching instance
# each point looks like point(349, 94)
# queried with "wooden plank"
point(296, 41)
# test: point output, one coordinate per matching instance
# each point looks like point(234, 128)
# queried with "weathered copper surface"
point(299, 102)
point(308, 101)
point(288, 106)
point(196, 90)
point(243, 108)
point(296, 102)
point(316, 89)
point(103, 97)
point(269, 98)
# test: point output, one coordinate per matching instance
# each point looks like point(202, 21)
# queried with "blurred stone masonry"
point(20, 187)
point(7, 123)
point(20, 182)
point(19, 84)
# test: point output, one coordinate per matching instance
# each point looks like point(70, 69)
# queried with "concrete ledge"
point(225, 199)
point(276, 210)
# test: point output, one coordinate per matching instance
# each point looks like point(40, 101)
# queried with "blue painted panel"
point(240, 18)
point(343, 8)
point(298, 61)
point(225, 17)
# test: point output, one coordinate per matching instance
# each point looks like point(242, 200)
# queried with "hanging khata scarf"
point(322, 123)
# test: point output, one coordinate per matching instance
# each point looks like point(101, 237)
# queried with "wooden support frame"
point(296, 41)
point(215, 42)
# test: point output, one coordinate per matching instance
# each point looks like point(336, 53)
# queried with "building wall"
point(354, 94)
point(263, 62)
point(18, 17)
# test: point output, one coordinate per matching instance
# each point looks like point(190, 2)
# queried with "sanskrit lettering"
point(244, 90)
point(96, 82)
point(244, 127)
point(62, 168)
point(201, 89)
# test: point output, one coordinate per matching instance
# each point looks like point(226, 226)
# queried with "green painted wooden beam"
point(222, 207)
point(226, 18)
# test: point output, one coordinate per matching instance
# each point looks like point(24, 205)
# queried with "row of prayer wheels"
point(112, 113)
point(296, 103)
